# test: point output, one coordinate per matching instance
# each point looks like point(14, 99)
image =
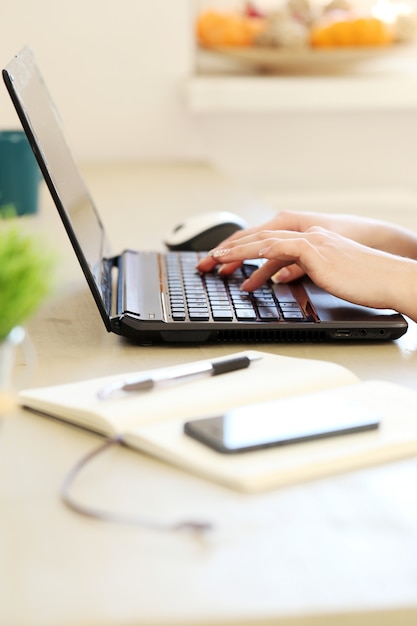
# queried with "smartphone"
point(282, 422)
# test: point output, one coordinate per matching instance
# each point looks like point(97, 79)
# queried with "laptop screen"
point(43, 127)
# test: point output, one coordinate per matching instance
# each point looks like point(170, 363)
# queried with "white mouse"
point(204, 231)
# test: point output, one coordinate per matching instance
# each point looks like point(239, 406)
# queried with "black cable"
point(109, 516)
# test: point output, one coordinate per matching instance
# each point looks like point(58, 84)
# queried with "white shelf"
point(259, 94)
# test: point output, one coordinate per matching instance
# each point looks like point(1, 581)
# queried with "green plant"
point(25, 275)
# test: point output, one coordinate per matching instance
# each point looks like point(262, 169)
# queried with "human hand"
point(341, 266)
point(369, 232)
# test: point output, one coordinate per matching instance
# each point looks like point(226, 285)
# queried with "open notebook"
point(153, 421)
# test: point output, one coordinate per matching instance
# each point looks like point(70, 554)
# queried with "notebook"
point(286, 383)
point(141, 294)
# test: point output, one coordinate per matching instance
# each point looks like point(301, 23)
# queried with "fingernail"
point(219, 252)
point(281, 276)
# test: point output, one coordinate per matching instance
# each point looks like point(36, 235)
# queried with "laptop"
point(152, 297)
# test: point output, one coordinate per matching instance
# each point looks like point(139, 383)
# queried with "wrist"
point(405, 289)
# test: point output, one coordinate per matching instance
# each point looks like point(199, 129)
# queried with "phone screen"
point(282, 422)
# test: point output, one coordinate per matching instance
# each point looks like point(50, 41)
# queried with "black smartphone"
point(282, 422)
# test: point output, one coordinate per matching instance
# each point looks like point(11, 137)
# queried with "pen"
point(177, 373)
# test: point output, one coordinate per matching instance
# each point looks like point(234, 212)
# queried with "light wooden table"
point(332, 552)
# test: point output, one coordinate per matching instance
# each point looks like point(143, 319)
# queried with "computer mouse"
point(204, 231)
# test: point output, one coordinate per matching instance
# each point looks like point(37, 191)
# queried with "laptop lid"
point(327, 317)
point(41, 123)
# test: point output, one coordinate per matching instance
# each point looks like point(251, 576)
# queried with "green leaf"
point(26, 276)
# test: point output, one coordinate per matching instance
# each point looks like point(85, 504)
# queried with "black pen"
point(178, 373)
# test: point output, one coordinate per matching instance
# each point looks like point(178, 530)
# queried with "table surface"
point(341, 550)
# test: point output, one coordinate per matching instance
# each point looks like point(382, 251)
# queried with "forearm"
point(402, 288)
point(394, 239)
point(377, 234)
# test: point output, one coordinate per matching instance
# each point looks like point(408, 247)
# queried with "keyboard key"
point(197, 302)
point(222, 315)
point(245, 314)
point(178, 316)
point(268, 313)
point(293, 315)
point(199, 316)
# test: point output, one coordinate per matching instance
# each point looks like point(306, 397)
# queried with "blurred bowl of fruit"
point(303, 27)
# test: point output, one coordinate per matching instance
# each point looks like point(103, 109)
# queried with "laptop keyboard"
point(212, 297)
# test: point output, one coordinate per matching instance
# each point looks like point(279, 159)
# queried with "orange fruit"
point(214, 29)
point(355, 31)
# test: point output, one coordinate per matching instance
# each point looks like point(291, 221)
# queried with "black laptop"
point(152, 297)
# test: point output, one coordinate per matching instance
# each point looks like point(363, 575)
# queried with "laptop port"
point(342, 332)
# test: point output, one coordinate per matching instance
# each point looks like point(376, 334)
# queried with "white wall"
point(116, 72)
